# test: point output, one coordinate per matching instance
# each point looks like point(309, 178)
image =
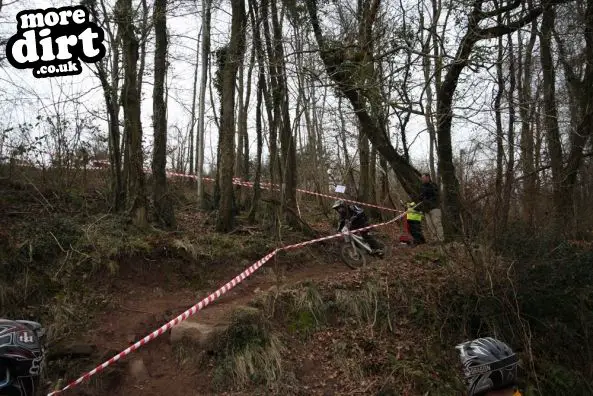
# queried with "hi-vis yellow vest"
point(412, 214)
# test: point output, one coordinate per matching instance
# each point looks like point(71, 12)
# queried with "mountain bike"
point(355, 249)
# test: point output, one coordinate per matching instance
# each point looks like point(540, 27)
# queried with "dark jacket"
point(356, 215)
point(429, 195)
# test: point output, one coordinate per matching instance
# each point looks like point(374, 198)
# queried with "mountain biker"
point(21, 357)
point(489, 367)
point(356, 218)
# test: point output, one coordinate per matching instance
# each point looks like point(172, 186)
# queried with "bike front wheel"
point(352, 256)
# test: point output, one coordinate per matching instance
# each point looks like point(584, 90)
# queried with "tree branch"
point(501, 30)
point(500, 10)
point(408, 109)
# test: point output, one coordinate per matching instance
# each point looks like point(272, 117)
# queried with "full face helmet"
point(339, 206)
point(488, 365)
point(21, 357)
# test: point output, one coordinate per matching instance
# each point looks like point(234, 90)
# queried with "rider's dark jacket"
point(356, 216)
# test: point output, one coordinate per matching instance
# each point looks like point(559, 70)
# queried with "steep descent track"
point(144, 307)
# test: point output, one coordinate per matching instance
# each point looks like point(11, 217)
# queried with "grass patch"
point(248, 352)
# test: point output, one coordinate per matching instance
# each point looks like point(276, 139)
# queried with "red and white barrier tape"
point(267, 186)
point(276, 187)
point(202, 304)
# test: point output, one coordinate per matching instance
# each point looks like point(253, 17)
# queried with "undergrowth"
point(248, 351)
point(420, 311)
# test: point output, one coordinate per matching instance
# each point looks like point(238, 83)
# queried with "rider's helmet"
point(338, 204)
point(21, 357)
point(488, 365)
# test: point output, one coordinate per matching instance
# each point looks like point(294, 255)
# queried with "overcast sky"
point(22, 96)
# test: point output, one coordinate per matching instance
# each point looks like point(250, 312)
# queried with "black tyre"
point(353, 257)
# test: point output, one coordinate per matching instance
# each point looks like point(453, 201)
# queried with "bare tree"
point(144, 30)
point(108, 71)
point(509, 178)
point(162, 202)
point(259, 132)
point(206, 15)
point(242, 161)
point(287, 140)
point(192, 121)
point(500, 89)
point(550, 107)
point(231, 58)
point(431, 79)
point(337, 64)
point(565, 168)
point(364, 184)
point(348, 175)
point(473, 34)
point(526, 113)
point(137, 204)
point(272, 98)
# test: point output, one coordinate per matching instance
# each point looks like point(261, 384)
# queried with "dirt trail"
point(142, 308)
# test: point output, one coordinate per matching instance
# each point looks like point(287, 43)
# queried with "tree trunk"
point(509, 178)
point(373, 181)
point(259, 132)
point(318, 115)
point(272, 99)
point(429, 114)
point(314, 143)
point(309, 149)
point(348, 177)
point(364, 160)
point(144, 31)
point(499, 136)
point(206, 11)
point(527, 158)
point(125, 148)
point(245, 174)
point(162, 201)
point(243, 149)
point(384, 181)
point(240, 136)
point(232, 59)
point(287, 141)
point(581, 90)
point(137, 204)
point(193, 110)
point(551, 114)
point(110, 84)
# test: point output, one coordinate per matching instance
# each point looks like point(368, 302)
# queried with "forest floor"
point(328, 360)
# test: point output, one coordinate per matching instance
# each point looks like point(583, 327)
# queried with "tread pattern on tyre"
point(345, 254)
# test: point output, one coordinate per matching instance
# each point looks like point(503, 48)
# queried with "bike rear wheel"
point(352, 256)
